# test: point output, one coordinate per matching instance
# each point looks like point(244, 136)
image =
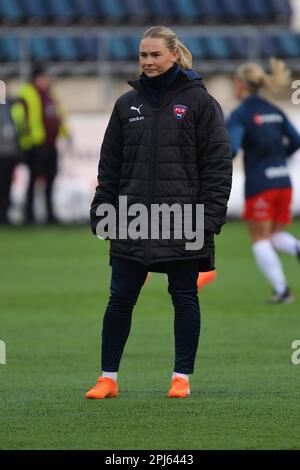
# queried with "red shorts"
point(274, 204)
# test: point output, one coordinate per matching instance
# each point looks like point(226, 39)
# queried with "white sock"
point(284, 241)
point(270, 265)
point(110, 375)
point(183, 376)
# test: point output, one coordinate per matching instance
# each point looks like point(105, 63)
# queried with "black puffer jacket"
point(178, 153)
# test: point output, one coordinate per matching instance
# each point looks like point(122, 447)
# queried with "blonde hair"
point(185, 59)
point(256, 78)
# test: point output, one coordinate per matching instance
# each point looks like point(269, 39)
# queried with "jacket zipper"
point(152, 175)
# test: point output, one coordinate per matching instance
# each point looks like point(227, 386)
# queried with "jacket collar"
point(185, 79)
point(161, 82)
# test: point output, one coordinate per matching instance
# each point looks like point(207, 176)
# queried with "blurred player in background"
point(267, 138)
point(10, 156)
point(40, 123)
point(166, 142)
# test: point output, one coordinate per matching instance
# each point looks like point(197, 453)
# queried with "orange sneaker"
point(206, 278)
point(180, 388)
point(104, 388)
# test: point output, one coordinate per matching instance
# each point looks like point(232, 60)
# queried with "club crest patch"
point(179, 110)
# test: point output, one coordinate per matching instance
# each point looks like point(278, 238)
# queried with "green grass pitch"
point(54, 286)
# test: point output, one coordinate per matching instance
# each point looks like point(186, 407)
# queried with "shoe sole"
point(285, 301)
point(289, 301)
point(101, 398)
point(186, 396)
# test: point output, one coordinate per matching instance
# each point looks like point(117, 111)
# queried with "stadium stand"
point(235, 12)
point(187, 12)
point(110, 12)
point(195, 45)
point(11, 12)
point(85, 10)
point(144, 11)
point(124, 47)
point(54, 30)
point(285, 45)
point(289, 45)
point(268, 47)
point(41, 49)
point(215, 47)
point(137, 11)
point(239, 47)
point(35, 12)
point(10, 49)
point(89, 48)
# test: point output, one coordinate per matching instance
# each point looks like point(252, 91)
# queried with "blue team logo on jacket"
point(180, 110)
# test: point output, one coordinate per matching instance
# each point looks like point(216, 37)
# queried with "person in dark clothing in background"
point(268, 138)
point(42, 121)
point(10, 155)
point(6, 173)
point(166, 142)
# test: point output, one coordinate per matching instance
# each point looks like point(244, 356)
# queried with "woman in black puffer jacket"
point(165, 144)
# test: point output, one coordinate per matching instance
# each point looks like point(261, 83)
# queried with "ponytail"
point(185, 57)
point(256, 78)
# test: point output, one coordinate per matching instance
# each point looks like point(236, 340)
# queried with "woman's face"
point(42, 82)
point(155, 57)
point(240, 88)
